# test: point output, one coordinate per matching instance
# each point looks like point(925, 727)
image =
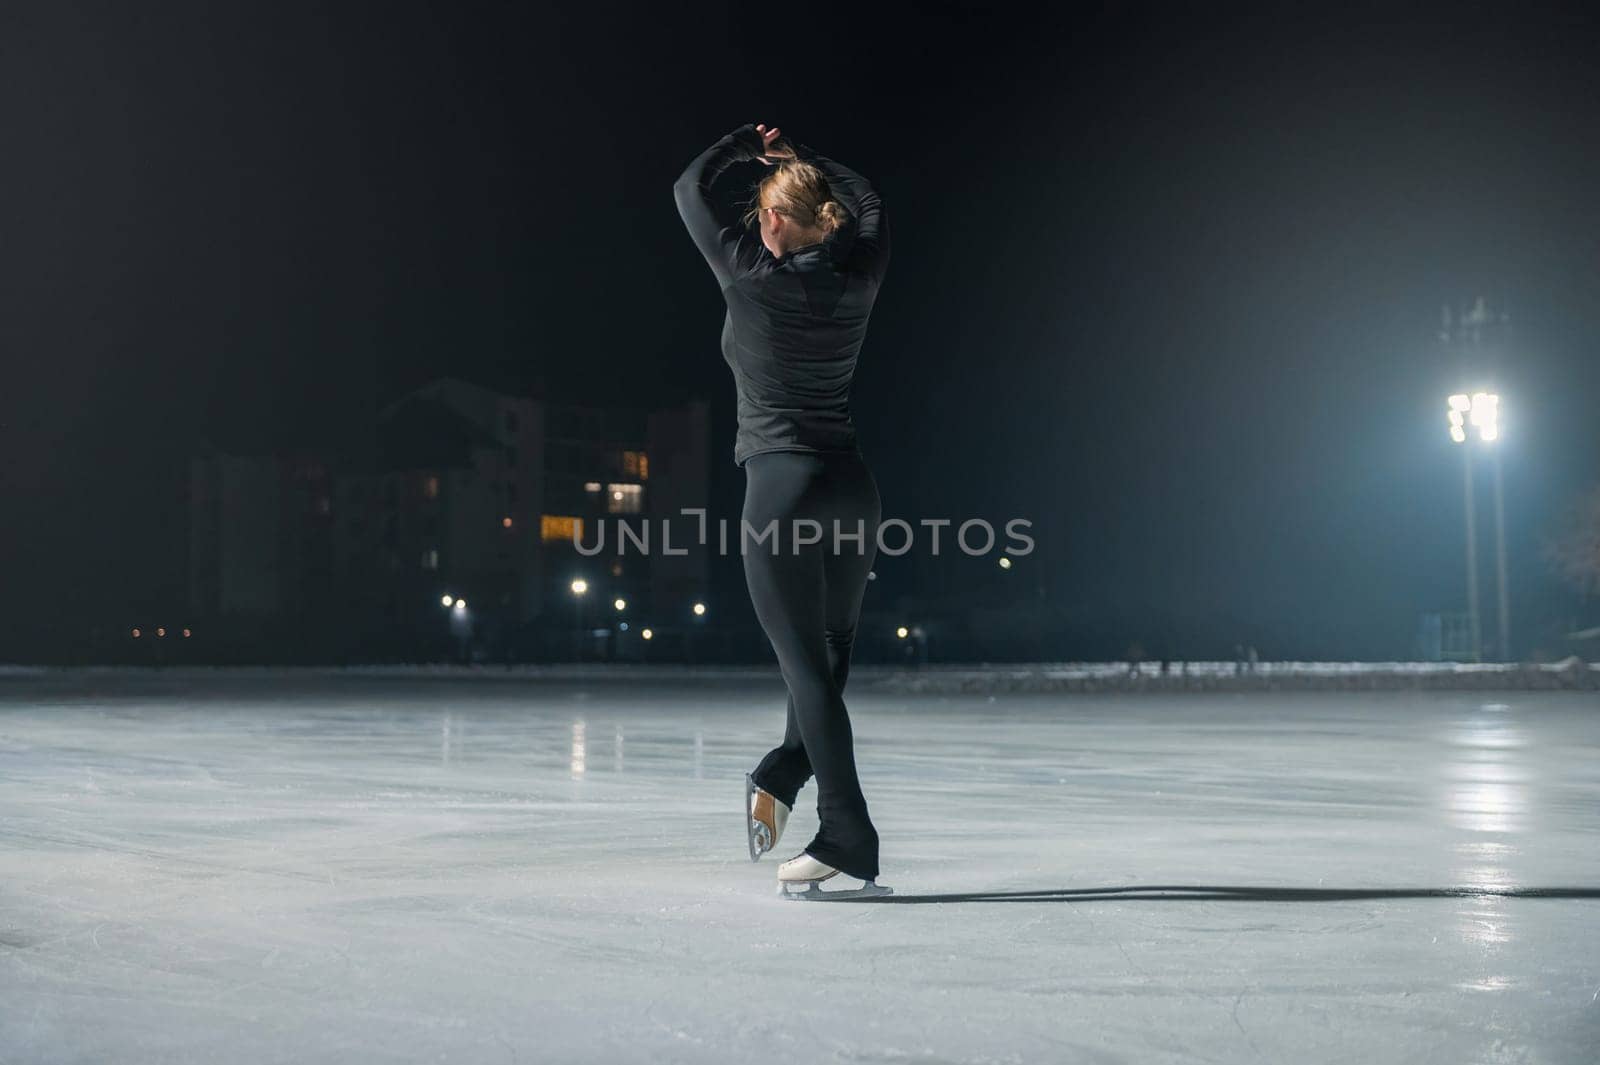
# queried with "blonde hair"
point(799, 192)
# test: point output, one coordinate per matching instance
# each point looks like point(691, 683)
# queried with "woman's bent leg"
point(786, 768)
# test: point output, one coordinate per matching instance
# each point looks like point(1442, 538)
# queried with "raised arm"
point(726, 243)
point(871, 229)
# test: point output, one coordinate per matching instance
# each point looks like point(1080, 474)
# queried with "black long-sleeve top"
point(796, 322)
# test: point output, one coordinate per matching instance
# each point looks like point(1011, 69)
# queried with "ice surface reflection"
point(1487, 798)
point(579, 756)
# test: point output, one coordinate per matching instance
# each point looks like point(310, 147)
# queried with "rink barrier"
point(1573, 674)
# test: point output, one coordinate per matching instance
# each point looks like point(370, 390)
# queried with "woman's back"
point(793, 333)
point(795, 323)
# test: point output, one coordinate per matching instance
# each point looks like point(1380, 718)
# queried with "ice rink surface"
point(305, 869)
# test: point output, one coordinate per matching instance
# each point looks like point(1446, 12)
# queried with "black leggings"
point(808, 598)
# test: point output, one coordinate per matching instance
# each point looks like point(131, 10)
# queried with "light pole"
point(1500, 558)
point(579, 586)
point(698, 611)
point(1481, 411)
point(461, 624)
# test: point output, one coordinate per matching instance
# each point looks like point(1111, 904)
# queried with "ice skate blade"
point(750, 822)
point(756, 833)
point(809, 891)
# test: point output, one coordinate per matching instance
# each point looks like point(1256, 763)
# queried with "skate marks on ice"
point(1214, 893)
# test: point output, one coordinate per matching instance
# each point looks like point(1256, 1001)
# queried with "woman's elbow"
point(687, 195)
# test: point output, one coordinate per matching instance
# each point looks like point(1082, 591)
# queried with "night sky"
point(1168, 286)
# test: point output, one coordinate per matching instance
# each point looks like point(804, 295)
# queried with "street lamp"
point(459, 623)
point(690, 635)
point(1481, 411)
point(915, 638)
point(579, 586)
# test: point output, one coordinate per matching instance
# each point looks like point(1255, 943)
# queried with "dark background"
point(1167, 285)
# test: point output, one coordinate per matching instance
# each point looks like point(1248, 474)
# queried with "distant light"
point(616, 496)
point(461, 604)
point(699, 610)
point(872, 574)
point(1486, 415)
point(647, 634)
point(505, 523)
point(591, 486)
point(187, 634)
point(620, 604)
point(623, 626)
point(1481, 410)
point(447, 600)
point(136, 634)
point(161, 632)
point(1005, 563)
point(580, 586)
point(902, 632)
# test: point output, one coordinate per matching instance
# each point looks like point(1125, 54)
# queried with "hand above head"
point(775, 151)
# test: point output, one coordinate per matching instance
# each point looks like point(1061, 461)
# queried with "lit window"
point(430, 486)
point(430, 558)
point(624, 498)
point(636, 464)
point(591, 486)
point(554, 527)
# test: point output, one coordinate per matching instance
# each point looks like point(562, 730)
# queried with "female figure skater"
point(799, 292)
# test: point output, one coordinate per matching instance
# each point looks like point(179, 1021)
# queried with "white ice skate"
point(801, 878)
point(765, 817)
